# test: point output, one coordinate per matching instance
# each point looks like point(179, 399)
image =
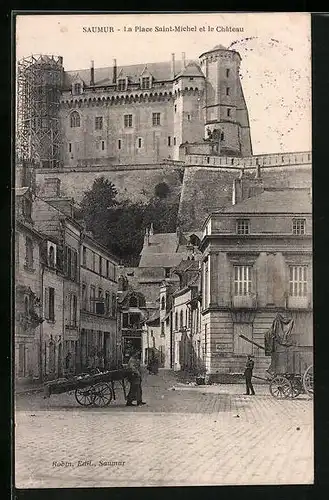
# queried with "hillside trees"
point(120, 225)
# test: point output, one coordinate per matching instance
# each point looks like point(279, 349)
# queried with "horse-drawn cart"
point(291, 369)
point(90, 390)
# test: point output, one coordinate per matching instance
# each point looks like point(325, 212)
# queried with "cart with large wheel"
point(90, 390)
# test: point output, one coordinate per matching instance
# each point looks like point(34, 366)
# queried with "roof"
point(104, 76)
point(187, 265)
point(289, 200)
point(161, 260)
point(192, 69)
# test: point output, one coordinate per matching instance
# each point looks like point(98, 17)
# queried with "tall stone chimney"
point(183, 60)
point(92, 74)
point(115, 70)
point(173, 65)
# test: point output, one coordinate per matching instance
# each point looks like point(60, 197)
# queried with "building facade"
point(100, 336)
point(257, 262)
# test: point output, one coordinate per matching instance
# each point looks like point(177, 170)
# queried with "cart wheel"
point(308, 381)
point(280, 387)
point(297, 386)
point(84, 396)
point(102, 394)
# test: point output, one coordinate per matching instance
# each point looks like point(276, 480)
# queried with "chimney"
point(172, 66)
point(114, 80)
point(92, 74)
point(237, 191)
point(183, 60)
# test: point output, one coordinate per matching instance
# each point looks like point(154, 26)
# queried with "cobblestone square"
point(205, 435)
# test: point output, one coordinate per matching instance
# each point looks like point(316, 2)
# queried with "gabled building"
point(257, 262)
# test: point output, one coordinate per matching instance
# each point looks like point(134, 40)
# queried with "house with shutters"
point(256, 262)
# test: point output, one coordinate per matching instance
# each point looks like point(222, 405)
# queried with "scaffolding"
point(39, 85)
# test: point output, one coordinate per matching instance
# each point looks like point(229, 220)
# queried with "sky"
point(275, 49)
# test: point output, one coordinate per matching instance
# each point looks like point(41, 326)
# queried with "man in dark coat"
point(248, 374)
point(135, 391)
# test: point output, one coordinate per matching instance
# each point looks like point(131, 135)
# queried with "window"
point(103, 145)
point(298, 226)
point(107, 303)
point(175, 108)
point(191, 78)
point(75, 119)
point(70, 147)
point(29, 253)
point(298, 281)
point(77, 88)
point(228, 112)
point(99, 123)
point(128, 121)
point(181, 319)
point(189, 117)
point(84, 256)
point(119, 144)
point(206, 283)
point(74, 265)
point(243, 226)
point(92, 298)
point(125, 320)
point(174, 141)
point(222, 136)
point(145, 84)
point(227, 90)
point(114, 300)
point(155, 119)
point(107, 268)
point(176, 320)
point(94, 261)
point(133, 302)
point(139, 142)
point(100, 293)
point(84, 297)
point(163, 303)
point(242, 280)
point(241, 346)
point(169, 140)
point(73, 310)
point(122, 84)
point(100, 265)
point(51, 256)
point(227, 73)
point(50, 303)
point(167, 272)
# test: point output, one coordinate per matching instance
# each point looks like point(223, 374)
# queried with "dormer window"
point(145, 82)
point(77, 89)
point(121, 84)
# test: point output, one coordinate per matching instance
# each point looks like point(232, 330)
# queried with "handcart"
point(90, 390)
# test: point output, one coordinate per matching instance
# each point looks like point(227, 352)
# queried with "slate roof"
point(275, 201)
point(192, 69)
point(104, 76)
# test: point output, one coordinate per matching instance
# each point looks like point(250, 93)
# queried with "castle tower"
point(188, 89)
point(225, 111)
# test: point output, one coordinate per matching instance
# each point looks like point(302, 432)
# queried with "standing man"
point(248, 374)
point(135, 391)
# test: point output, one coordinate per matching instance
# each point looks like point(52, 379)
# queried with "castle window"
point(175, 108)
point(77, 88)
point(128, 121)
point(227, 90)
point(121, 84)
point(99, 123)
point(156, 119)
point(174, 141)
point(169, 140)
point(75, 119)
point(191, 78)
point(70, 147)
point(145, 83)
point(103, 145)
point(227, 73)
point(298, 281)
point(119, 144)
point(189, 117)
point(139, 142)
point(222, 136)
point(228, 112)
point(163, 303)
point(242, 280)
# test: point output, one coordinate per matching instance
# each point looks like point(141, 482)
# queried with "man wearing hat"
point(248, 374)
